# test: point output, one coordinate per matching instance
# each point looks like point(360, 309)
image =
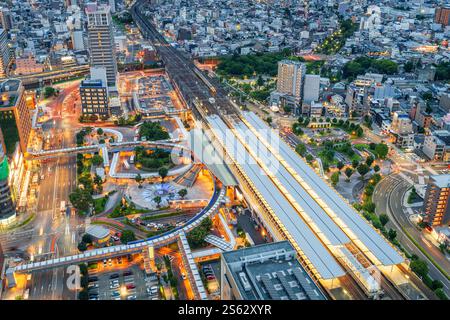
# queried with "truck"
point(132, 158)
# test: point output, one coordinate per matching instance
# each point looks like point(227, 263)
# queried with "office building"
point(7, 209)
point(101, 41)
point(94, 97)
point(5, 55)
point(436, 202)
point(15, 118)
point(291, 75)
point(356, 97)
point(311, 88)
point(401, 130)
point(442, 15)
point(436, 146)
point(266, 272)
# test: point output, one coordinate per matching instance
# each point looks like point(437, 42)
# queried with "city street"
point(388, 197)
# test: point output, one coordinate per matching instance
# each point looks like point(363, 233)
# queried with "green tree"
point(376, 168)
point(153, 131)
point(139, 180)
point(384, 219)
point(182, 193)
point(335, 178)
point(340, 165)
point(363, 169)
point(436, 284)
point(309, 158)
point(301, 149)
point(97, 160)
point(163, 171)
point(441, 294)
point(419, 267)
point(260, 81)
point(127, 236)
point(355, 163)
point(196, 237)
point(348, 172)
point(100, 131)
point(49, 92)
point(369, 160)
point(392, 234)
point(157, 200)
point(381, 150)
point(82, 246)
point(99, 183)
point(81, 199)
point(427, 96)
point(409, 66)
point(87, 238)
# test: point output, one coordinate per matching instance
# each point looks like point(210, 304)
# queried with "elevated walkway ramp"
point(188, 178)
point(192, 267)
point(218, 242)
point(205, 153)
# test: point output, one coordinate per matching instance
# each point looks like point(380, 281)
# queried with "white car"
point(114, 286)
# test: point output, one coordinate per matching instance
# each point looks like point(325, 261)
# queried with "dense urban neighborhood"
point(224, 150)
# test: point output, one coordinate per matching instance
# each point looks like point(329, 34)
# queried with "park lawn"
point(125, 212)
point(99, 204)
point(355, 157)
point(361, 146)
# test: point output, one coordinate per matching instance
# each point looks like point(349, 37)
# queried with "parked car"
point(127, 273)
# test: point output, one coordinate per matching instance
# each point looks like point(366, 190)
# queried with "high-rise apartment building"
point(6, 21)
point(15, 118)
point(442, 15)
point(436, 202)
point(291, 75)
point(7, 208)
point(5, 55)
point(101, 41)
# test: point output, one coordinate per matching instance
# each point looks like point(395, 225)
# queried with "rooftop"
point(10, 85)
point(91, 83)
point(97, 232)
point(442, 180)
point(270, 272)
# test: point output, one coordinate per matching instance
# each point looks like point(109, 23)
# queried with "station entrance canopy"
point(204, 152)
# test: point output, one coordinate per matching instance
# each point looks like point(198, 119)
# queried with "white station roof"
point(375, 243)
point(291, 222)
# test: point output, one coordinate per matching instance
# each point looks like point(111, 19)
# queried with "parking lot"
point(211, 273)
point(121, 279)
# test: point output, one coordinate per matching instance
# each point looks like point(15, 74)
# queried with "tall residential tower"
point(101, 41)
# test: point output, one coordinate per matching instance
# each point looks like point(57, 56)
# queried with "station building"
point(266, 272)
